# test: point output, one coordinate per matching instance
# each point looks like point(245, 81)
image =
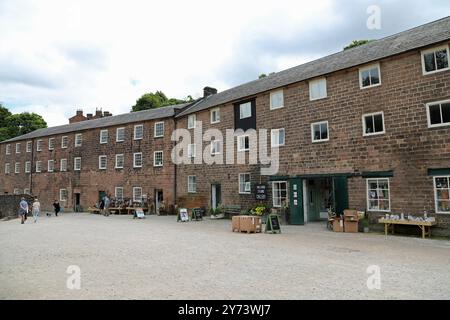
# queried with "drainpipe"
point(175, 168)
point(32, 165)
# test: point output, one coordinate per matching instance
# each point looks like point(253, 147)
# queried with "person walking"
point(56, 207)
point(36, 209)
point(102, 206)
point(107, 202)
point(23, 210)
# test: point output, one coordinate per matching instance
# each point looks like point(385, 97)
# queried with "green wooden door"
point(315, 202)
point(296, 201)
point(340, 188)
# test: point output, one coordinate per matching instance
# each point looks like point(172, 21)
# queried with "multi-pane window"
point(159, 130)
point(378, 196)
point(373, 124)
point(16, 191)
point(119, 161)
point(26, 191)
point(8, 149)
point(438, 114)
point(442, 194)
point(63, 165)
point(63, 195)
point(244, 183)
point(215, 115)
point(276, 100)
point(28, 167)
point(50, 165)
point(17, 147)
point(277, 137)
point(17, 167)
point(158, 159)
point(38, 166)
point(137, 194)
point(369, 76)
point(245, 110)
point(137, 160)
point(318, 89)
point(215, 147)
point(119, 193)
point(7, 168)
point(77, 164)
point(138, 132)
point(243, 143)
point(102, 162)
point(120, 134)
point(103, 136)
point(279, 194)
point(78, 139)
point(29, 146)
point(192, 120)
point(435, 60)
point(64, 142)
point(319, 131)
point(191, 150)
point(192, 184)
point(39, 145)
point(51, 143)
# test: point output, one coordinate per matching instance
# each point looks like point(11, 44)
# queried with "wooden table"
point(423, 225)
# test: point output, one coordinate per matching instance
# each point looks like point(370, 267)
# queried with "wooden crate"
point(250, 224)
point(235, 224)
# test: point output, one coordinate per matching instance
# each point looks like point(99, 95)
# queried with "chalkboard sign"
point(273, 224)
point(139, 213)
point(261, 192)
point(197, 214)
point(183, 215)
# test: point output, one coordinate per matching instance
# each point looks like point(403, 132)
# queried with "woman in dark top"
point(57, 207)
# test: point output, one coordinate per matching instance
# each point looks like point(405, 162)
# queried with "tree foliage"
point(13, 125)
point(157, 100)
point(357, 43)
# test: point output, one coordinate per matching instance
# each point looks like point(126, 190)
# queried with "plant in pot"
point(217, 213)
point(365, 224)
point(260, 210)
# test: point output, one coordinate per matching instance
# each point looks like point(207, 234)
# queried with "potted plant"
point(260, 210)
point(217, 213)
point(365, 224)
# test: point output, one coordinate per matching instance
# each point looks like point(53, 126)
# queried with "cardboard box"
point(351, 226)
point(351, 219)
point(338, 225)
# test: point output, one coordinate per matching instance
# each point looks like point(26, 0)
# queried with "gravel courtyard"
point(157, 258)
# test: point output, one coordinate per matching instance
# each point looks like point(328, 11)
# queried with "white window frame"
point(16, 191)
point(241, 146)
point(134, 194)
point(50, 168)
point(115, 193)
point(270, 98)
point(192, 124)
point(103, 136)
point(367, 194)
point(63, 168)
point(123, 161)
point(8, 149)
point(134, 160)
point(39, 145)
point(29, 146)
point(38, 166)
point(17, 167)
point(26, 191)
point(277, 132)
point(191, 150)
point(75, 167)
point(217, 112)
point(369, 67)
point(100, 167)
point(7, 168)
point(27, 166)
point(245, 185)
point(61, 192)
point(135, 130)
point(424, 52)
point(64, 142)
point(440, 103)
point(273, 193)
point(215, 142)
point(117, 134)
point(435, 193)
point(192, 186)
point(314, 82)
point(51, 144)
point(155, 131)
point(312, 132)
point(78, 140)
point(154, 159)
point(241, 113)
point(373, 114)
point(17, 148)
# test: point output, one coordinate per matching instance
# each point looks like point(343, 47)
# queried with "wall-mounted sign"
point(261, 192)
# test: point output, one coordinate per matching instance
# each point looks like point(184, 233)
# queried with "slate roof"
point(138, 116)
point(428, 34)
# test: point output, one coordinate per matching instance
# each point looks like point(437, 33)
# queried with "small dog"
point(49, 214)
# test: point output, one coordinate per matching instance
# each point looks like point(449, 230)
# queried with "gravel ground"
point(157, 258)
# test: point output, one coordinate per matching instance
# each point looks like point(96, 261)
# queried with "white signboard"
point(184, 216)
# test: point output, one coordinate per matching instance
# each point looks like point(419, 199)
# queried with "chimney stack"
point(208, 91)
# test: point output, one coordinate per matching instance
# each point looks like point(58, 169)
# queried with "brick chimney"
point(78, 117)
point(208, 91)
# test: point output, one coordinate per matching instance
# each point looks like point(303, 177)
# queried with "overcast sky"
point(58, 56)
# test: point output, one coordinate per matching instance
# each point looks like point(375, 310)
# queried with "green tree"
point(157, 100)
point(356, 43)
point(13, 125)
point(262, 75)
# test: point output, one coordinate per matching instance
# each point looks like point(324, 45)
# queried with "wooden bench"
point(423, 225)
point(232, 210)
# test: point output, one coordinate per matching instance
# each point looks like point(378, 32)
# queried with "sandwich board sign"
point(197, 214)
point(183, 215)
point(273, 224)
point(139, 213)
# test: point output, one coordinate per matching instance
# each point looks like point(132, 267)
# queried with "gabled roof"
point(428, 34)
point(164, 112)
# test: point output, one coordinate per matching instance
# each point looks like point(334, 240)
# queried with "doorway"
point(78, 202)
point(215, 196)
point(159, 198)
point(101, 195)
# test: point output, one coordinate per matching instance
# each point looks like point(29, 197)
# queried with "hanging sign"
point(261, 192)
